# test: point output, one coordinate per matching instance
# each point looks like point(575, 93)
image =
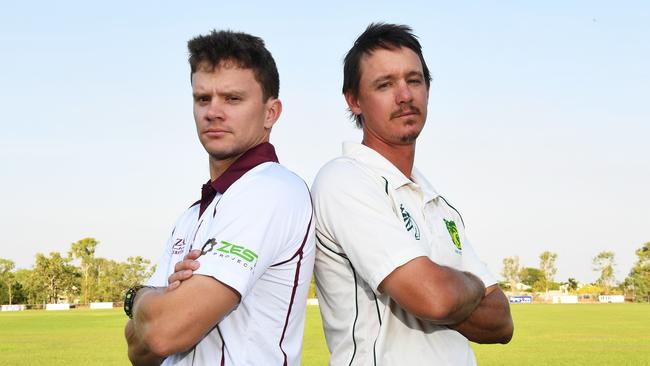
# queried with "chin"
point(223, 153)
point(410, 138)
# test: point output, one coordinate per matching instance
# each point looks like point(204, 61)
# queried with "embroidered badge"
point(453, 232)
point(410, 224)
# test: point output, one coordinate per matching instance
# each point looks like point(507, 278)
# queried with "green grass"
point(598, 334)
point(74, 337)
point(574, 334)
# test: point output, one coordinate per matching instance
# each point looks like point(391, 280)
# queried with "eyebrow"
point(199, 94)
point(390, 77)
point(382, 79)
point(202, 93)
point(415, 73)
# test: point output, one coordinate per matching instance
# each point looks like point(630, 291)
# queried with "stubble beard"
point(226, 153)
point(410, 138)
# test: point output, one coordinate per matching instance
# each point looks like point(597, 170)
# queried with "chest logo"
point(179, 245)
point(410, 224)
point(453, 232)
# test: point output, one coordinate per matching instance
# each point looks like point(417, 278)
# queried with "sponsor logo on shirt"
point(237, 253)
point(453, 232)
point(410, 224)
point(179, 245)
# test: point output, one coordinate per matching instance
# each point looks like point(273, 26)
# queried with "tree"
point(511, 271)
point(20, 291)
point(136, 270)
point(590, 290)
point(84, 251)
point(111, 282)
point(573, 284)
point(530, 276)
point(639, 278)
point(113, 278)
point(32, 290)
point(56, 276)
point(547, 266)
point(604, 263)
point(7, 276)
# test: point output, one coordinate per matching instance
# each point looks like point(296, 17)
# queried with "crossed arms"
point(446, 296)
point(166, 322)
point(436, 293)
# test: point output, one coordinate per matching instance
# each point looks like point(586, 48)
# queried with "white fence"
point(12, 307)
point(611, 298)
point(57, 307)
point(565, 299)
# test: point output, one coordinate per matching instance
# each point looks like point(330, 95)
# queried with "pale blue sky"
point(538, 121)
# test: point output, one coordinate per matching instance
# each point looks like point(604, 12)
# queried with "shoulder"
point(270, 182)
point(450, 211)
point(344, 174)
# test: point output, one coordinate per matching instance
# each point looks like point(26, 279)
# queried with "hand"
point(184, 269)
point(138, 353)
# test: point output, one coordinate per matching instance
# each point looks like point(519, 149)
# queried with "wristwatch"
point(129, 298)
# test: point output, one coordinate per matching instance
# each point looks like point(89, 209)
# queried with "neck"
point(402, 156)
point(217, 167)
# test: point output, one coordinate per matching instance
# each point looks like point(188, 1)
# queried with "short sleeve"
point(259, 222)
point(354, 211)
point(473, 264)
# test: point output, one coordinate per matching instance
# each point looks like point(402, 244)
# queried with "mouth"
point(411, 111)
point(215, 132)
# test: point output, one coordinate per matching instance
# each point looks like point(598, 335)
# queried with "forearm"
point(164, 330)
point(464, 292)
point(138, 353)
point(490, 322)
point(439, 294)
point(153, 323)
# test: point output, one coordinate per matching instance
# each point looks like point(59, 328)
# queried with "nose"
point(403, 93)
point(215, 110)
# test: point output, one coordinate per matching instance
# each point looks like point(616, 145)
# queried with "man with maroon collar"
point(252, 227)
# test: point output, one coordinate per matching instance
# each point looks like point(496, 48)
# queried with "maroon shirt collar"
point(262, 153)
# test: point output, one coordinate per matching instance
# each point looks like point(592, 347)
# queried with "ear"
point(273, 111)
point(353, 103)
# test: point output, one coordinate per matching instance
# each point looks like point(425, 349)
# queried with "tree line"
point(81, 277)
point(77, 277)
point(636, 286)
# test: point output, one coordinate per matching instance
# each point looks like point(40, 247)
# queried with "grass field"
point(598, 334)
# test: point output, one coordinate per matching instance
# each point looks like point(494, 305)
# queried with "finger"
point(193, 254)
point(173, 285)
point(186, 264)
point(179, 276)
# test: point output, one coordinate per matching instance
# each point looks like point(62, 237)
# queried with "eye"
point(415, 81)
point(202, 99)
point(383, 85)
point(233, 99)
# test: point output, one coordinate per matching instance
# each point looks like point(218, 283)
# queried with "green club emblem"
point(453, 232)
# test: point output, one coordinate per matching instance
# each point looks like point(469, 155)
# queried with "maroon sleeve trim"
point(299, 251)
point(293, 290)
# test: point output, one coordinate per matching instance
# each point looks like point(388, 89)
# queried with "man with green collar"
point(398, 281)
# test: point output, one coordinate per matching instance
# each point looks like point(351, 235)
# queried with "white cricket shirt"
point(258, 216)
point(371, 219)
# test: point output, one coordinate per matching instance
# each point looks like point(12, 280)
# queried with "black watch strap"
point(129, 298)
